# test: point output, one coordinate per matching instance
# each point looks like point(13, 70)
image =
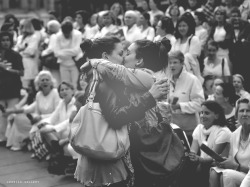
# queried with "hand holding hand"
point(159, 89)
point(176, 106)
point(85, 66)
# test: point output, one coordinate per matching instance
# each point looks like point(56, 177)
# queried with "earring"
point(137, 64)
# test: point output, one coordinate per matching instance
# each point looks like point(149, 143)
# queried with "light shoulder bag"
point(91, 134)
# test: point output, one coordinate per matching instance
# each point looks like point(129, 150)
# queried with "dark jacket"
point(10, 84)
point(117, 107)
point(227, 43)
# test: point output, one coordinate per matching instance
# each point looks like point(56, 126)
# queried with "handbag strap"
point(222, 66)
point(92, 91)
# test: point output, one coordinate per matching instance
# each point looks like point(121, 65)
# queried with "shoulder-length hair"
point(189, 20)
point(69, 85)
point(95, 49)
point(10, 35)
point(167, 25)
point(154, 55)
point(218, 110)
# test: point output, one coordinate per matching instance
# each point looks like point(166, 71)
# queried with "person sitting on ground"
point(226, 97)
point(214, 132)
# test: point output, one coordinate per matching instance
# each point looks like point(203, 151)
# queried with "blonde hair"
point(37, 80)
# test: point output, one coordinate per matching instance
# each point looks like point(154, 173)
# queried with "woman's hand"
point(229, 163)
point(63, 142)
point(36, 119)
point(194, 157)
point(85, 66)
point(91, 63)
point(176, 106)
point(160, 89)
point(5, 65)
point(47, 128)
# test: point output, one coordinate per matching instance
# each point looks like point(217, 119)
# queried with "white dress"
point(29, 54)
point(216, 135)
point(239, 151)
point(216, 70)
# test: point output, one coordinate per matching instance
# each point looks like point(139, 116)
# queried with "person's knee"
point(213, 175)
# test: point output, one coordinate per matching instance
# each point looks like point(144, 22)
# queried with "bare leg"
point(214, 178)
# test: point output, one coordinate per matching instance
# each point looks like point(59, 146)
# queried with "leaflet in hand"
point(211, 153)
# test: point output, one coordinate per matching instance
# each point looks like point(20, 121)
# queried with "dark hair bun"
point(86, 46)
point(166, 43)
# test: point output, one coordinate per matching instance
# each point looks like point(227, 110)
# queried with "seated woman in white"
point(57, 127)
point(232, 171)
point(213, 132)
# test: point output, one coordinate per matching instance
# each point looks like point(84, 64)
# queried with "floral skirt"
point(91, 172)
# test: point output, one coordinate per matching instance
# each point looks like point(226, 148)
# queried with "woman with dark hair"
point(193, 5)
point(118, 12)
point(165, 29)
point(81, 19)
point(226, 97)
point(213, 132)
point(213, 64)
point(9, 27)
point(174, 3)
point(146, 30)
point(130, 5)
point(142, 56)
point(116, 107)
point(222, 33)
point(208, 86)
point(188, 43)
point(11, 18)
point(174, 13)
point(144, 6)
point(11, 70)
point(154, 6)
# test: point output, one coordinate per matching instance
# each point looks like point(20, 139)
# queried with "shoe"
point(33, 155)
point(16, 148)
point(3, 143)
point(48, 157)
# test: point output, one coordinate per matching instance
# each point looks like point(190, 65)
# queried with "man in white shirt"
point(67, 50)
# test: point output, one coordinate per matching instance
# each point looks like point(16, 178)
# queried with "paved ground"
point(17, 169)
